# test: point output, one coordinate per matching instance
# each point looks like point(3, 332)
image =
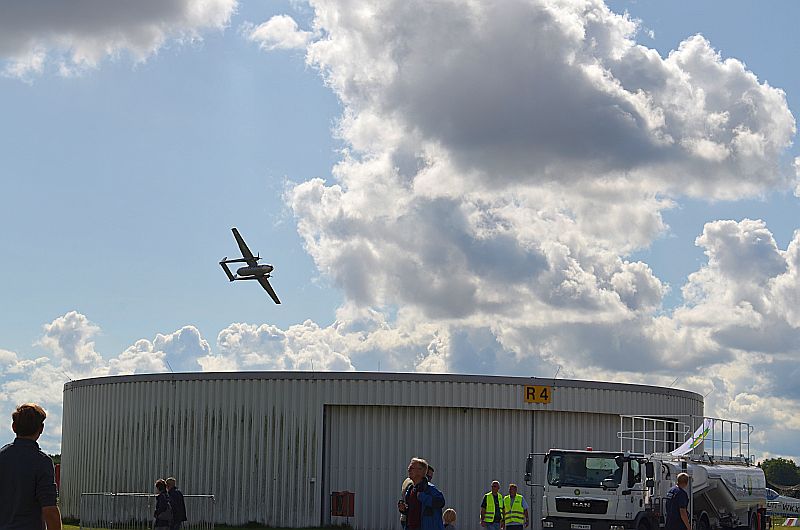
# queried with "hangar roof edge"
point(383, 376)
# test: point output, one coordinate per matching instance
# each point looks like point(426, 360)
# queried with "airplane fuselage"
point(258, 270)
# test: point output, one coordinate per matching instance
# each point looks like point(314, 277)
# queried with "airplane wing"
point(267, 287)
point(246, 254)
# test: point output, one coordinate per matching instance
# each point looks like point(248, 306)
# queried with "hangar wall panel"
point(253, 445)
point(256, 439)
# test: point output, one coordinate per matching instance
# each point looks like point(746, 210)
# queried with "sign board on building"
point(538, 394)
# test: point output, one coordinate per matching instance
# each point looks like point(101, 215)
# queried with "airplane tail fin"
point(224, 266)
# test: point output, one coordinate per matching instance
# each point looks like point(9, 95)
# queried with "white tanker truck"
point(626, 490)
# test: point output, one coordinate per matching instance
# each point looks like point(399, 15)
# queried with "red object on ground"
point(343, 503)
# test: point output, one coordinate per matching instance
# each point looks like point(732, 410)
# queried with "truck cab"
point(627, 490)
point(593, 490)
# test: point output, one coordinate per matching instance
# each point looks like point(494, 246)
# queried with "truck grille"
point(581, 505)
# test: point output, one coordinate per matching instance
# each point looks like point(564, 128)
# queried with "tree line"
point(783, 475)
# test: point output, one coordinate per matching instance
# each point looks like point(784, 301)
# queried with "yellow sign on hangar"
point(538, 394)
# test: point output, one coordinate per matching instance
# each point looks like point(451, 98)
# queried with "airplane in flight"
point(253, 271)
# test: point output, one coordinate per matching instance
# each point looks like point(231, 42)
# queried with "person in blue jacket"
point(423, 502)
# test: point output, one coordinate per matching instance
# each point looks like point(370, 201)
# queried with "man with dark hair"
point(515, 510)
point(178, 506)
point(27, 476)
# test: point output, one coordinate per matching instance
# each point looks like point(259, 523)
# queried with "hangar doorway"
point(367, 449)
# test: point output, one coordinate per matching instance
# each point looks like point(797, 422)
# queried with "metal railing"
point(134, 511)
point(695, 437)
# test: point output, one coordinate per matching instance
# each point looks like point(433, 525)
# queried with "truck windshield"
point(580, 469)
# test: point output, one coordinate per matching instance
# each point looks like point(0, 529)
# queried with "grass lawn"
point(780, 526)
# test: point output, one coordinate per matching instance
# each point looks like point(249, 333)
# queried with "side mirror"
point(649, 470)
point(609, 484)
point(529, 470)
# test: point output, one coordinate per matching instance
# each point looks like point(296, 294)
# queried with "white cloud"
point(784, 289)
point(71, 355)
point(182, 348)
point(504, 159)
point(69, 338)
point(357, 336)
point(499, 170)
point(549, 92)
point(7, 358)
point(79, 34)
point(279, 33)
point(139, 358)
point(357, 333)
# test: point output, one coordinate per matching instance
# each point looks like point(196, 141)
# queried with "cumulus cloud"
point(549, 91)
point(280, 32)
point(357, 338)
point(78, 35)
point(748, 282)
point(69, 338)
point(503, 161)
point(71, 354)
point(511, 174)
point(360, 334)
point(297, 348)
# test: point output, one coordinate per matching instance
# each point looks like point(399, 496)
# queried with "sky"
point(608, 191)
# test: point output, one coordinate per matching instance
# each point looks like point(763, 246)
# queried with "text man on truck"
point(719, 488)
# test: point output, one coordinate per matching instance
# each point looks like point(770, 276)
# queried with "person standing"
point(163, 512)
point(677, 501)
point(423, 502)
point(492, 508)
point(176, 501)
point(27, 476)
point(515, 509)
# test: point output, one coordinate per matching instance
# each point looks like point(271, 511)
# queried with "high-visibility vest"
point(490, 508)
point(514, 513)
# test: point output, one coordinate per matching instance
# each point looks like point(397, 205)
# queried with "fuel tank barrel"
point(732, 486)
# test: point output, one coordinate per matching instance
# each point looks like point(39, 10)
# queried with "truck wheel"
point(703, 524)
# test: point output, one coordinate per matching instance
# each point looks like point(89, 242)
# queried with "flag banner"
point(696, 439)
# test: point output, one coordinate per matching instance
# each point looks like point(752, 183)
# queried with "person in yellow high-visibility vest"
point(515, 509)
point(492, 508)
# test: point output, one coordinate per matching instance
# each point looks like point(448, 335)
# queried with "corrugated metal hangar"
point(272, 446)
